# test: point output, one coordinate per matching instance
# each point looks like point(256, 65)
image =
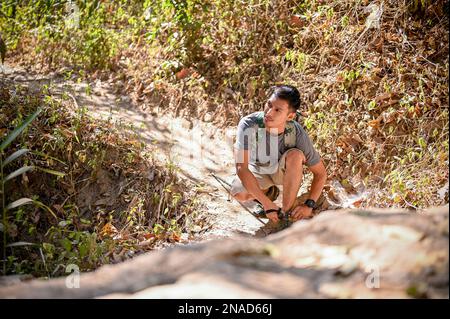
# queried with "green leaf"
point(15, 155)
point(18, 130)
point(64, 223)
point(83, 249)
point(50, 171)
point(48, 156)
point(19, 202)
point(21, 243)
point(422, 142)
point(24, 201)
point(372, 105)
point(46, 207)
point(18, 172)
point(157, 228)
point(67, 244)
point(48, 247)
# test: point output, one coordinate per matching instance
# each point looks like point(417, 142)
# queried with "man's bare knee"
point(295, 158)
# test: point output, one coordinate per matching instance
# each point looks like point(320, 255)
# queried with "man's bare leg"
point(243, 196)
point(292, 178)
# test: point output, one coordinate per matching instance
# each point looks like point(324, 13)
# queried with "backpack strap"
point(260, 119)
point(290, 135)
point(260, 122)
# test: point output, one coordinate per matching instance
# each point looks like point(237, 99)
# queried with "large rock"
point(337, 254)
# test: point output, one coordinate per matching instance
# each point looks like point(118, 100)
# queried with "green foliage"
point(79, 39)
point(3, 179)
point(18, 172)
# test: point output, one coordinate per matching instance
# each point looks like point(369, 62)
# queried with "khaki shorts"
point(265, 180)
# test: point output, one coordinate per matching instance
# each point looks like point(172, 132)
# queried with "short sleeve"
point(305, 145)
point(244, 133)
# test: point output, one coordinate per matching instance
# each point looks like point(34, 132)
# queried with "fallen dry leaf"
point(375, 123)
point(182, 73)
point(175, 237)
point(147, 242)
point(149, 236)
point(108, 230)
point(296, 20)
point(358, 203)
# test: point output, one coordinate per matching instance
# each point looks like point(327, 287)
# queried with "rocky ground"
point(337, 254)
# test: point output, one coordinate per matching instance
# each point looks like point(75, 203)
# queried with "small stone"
point(125, 99)
point(19, 78)
point(208, 117)
point(347, 269)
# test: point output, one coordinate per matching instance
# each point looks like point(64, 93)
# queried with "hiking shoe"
point(273, 192)
point(260, 212)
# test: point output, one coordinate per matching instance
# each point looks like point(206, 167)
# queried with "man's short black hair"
point(288, 93)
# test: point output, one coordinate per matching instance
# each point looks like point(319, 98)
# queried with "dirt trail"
point(196, 147)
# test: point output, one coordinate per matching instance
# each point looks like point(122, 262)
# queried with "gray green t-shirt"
point(270, 147)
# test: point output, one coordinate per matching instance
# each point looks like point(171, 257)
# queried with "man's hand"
point(273, 216)
point(301, 212)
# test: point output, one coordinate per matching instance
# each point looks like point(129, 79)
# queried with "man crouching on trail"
point(271, 149)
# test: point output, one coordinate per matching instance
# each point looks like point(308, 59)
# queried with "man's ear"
point(291, 116)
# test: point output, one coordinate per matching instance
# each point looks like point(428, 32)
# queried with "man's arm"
point(319, 178)
point(250, 183)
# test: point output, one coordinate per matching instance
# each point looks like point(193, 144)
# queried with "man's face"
point(277, 113)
